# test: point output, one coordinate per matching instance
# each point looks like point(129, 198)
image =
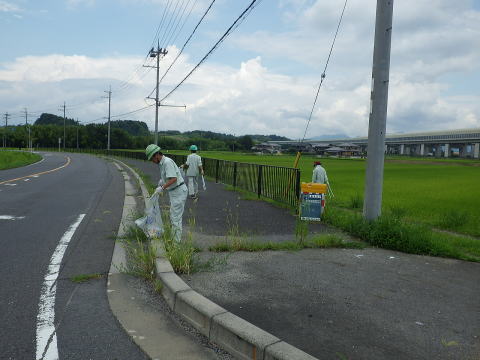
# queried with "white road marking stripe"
point(9, 217)
point(36, 163)
point(10, 184)
point(46, 332)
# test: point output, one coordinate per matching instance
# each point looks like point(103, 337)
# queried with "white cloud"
point(6, 6)
point(76, 3)
point(429, 43)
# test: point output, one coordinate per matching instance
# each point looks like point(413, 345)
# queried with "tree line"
point(124, 134)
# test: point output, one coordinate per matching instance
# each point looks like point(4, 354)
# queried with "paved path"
point(335, 303)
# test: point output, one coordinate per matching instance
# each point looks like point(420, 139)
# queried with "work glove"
point(158, 190)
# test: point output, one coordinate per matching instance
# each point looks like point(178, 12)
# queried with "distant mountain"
point(330, 137)
point(50, 119)
point(265, 138)
point(133, 127)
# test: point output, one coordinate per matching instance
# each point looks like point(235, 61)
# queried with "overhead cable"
point(237, 22)
point(174, 32)
point(187, 41)
point(322, 77)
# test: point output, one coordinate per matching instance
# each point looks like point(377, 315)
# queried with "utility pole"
point(372, 206)
point(28, 128)
point(77, 131)
point(7, 115)
point(109, 92)
point(156, 53)
point(64, 127)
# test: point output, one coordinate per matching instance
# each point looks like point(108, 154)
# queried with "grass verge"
point(141, 254)
point(13, 159)
point(389, 231)
point(317, 242)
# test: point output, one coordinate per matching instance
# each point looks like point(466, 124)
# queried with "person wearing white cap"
point(194, 168)
point(171, 180)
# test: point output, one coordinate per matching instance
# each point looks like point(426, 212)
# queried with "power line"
point(134, 111)
point(168, 25)
point(187, 41)
point(235, 24)
point(174, 32)
point(322, 77)
point(188, 16)
point(160, 25)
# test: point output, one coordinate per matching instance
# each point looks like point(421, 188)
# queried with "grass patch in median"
point(13, 159)
point(316, 242)
point(85, 277)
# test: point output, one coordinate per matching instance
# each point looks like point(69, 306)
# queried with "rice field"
point(442, 194)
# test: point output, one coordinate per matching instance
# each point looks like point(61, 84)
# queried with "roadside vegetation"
point(391, 231)
point(315, 242)
point(13, 159)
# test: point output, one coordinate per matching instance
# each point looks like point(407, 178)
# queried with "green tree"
point(245, 142)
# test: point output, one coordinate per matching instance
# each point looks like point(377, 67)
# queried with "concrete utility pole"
point(77, 132)
point(29, 130)
point(157, 53)
point(372, 206)
point(109, 92)
point(64, 127)
point(7, 115)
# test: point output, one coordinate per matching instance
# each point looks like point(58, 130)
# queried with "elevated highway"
point(463, 143)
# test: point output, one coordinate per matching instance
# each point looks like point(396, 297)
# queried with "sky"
point(262, 79)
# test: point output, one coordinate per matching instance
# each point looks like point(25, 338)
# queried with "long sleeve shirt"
point(194, 162)
point(319, 175)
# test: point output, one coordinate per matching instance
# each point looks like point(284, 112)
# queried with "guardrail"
point(281, 184)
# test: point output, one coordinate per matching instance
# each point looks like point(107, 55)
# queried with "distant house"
point(350, 149)
point(267, 148)
point(300, 146)
point(320, 148)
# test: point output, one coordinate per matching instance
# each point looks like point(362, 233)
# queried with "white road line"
point(9, 217)
point(46, 332)
point(36, 163)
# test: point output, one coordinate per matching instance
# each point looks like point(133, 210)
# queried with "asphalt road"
point(36, 211)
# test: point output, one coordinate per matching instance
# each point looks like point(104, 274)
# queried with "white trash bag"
point(203, 184)
point(151, 223)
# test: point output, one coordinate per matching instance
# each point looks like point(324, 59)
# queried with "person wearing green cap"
point(171, 180)
point(194, 168)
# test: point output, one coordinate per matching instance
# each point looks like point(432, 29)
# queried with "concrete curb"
point(237, 336)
